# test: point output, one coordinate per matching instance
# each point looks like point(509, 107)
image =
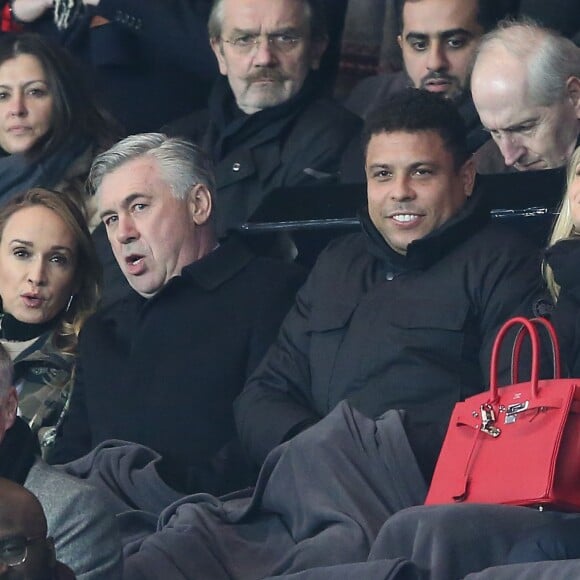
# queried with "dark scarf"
point(235, 129)
point(15, 330)
point(18, 452)
point(17, 173)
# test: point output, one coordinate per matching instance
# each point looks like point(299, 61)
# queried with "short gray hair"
point(182, 163)
point(551, 58)
point(6, 372)
point(314, 13)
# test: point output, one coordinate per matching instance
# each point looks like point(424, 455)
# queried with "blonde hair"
point(88, 274)
point(564, 225)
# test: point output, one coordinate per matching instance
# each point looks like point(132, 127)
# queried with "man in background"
point(268, 126)
point(526, 88)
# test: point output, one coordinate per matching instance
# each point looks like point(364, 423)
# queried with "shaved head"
point(22, 520)
point(20, 509)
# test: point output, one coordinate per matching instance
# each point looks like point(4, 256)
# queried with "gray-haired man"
point(267, 126)
point(162, 366)
point(531, 103)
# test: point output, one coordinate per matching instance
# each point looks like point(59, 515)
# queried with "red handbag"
point(518, 445)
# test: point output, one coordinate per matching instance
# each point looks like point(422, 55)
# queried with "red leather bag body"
point(517, 445)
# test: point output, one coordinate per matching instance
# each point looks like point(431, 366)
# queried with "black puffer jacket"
point(388, 331)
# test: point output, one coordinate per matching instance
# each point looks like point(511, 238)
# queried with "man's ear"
point(468, 173)
point(9, 407)
point(200, 203)
point(573, 87)
point(400, 41)
point(317, 49)
point(218, 50)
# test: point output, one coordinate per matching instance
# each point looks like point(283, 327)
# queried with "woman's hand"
point(30, 10)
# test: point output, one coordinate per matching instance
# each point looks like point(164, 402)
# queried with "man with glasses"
point(85, 534)
point(267, 125)
point(26, 552)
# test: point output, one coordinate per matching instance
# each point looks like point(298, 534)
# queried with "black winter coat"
point(564, 259)
point(388, 331)
point(163, 372)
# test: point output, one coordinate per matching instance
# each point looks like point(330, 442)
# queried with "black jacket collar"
point(208, 273)
point(426, 251)
point(219, 266)
point(211, 271)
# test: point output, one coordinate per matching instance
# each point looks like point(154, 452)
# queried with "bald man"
point(525, 85)
point(26, 553)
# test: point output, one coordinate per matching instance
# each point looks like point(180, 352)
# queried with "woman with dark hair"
point(50, 126)
point(156, 49)
point(49, 285)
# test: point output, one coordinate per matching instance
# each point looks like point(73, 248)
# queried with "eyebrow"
point(412, 166)
point(44, 82)
point(443, 34)
point(29, 244)
point(517, 125)
point(127, 201)
point(282, 30)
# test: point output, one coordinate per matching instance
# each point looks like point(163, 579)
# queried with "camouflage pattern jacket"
point(43, 383)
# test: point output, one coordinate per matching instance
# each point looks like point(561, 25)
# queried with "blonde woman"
point(49, 285)
point(562, 269)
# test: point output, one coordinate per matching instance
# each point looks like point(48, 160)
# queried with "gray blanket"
point(127, 476)
point(307, 509)
point(451, 541)
point(557, 570)
point(316, 513)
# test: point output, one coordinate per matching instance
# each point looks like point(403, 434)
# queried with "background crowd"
point(190, 386)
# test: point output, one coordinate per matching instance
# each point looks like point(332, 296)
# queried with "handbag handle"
point(533, 334)
point(554, 343)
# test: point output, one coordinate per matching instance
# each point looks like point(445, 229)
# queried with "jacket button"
point(236, 167)
point(390, 276)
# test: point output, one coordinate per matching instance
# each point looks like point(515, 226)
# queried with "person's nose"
point(17, 106)
point(126, 231)
point(402, 190)
point(511, 149)
point(437, 57)
point(37, 272)
point(264, 53)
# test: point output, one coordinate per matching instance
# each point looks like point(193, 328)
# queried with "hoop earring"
point(69, 303)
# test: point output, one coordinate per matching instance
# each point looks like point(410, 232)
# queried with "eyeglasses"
point(280, 42)
point(14, 549)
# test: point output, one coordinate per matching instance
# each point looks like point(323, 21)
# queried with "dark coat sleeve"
point(510, 287)
point(177, 27)
point(75, 439)
point(564, 259)
point(276, 401)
